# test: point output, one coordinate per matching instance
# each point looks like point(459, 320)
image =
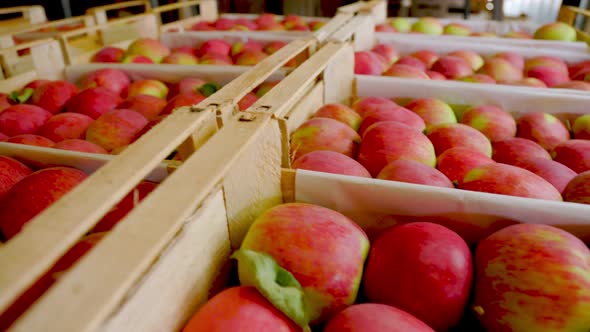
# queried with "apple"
point(542, 128)
point(311, 242)
point(551, 76)
point(422, 268)
point(109, 55)
point(384, 142)
point(365, 105)
point(150, 48)
point(245, 24)
point(504, 179)
point(266, 19)
point(116, 128)
point(202, 26)
point(274, 46)
point(324, 134)
point(428, 25)
point(239, 308)
point(248, 100)
point(433, 111)
point(180, 59)
point(515, 149)
point(265, 87)
point(514, 58)
point(93, 102)
point(147, 87)
point(485, 34)
point(581, 127)
point(216, 59)
point(412, 171)
point(190, 85)
point(341, 113)
point(492, 121)
point(574, 85)
point(426, 56)
point(218, 46)
point(11, 172)
point(182, 100)
point(530, 82)
point(406, 71)
point(452, 67)
point(384, 27)
point(65, 126)
point(250, 58)
point(30, 139)
point(455, 163)
point(556, 31)
point(391, 113)
point(369, 63)
point(435, 75)
point(478, 78)
point(47, 186)
point(450, 135)
point(112, 79)
point(555, 173)
point(224, 24)
point(250, 45)
point(54, 95)
point(546, 61)
point(316, 25)
point(574, 154)
point(411, 61)
point(501, 70)
point(148, 106)
point(374, 317)
point(292, 20)
point(401, 24)
point(518, 35)
point(456, 29)
point(387, 52)
point(136, 58)
point(183, 49)
point(80, 146)
point(474, 59)
point(22, 119)
point(578, 189)
point(330, 162)
point(576, 67)
point(532, 277)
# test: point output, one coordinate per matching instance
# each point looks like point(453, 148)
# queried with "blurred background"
point(540, 11)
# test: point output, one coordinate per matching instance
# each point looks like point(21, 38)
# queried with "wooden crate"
point(171, 255)
point(29, 15)
point(101, 13)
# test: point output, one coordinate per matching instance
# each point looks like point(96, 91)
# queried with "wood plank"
point(308, 105)
point(76, 303)
point(360, 29)
point(180, 279)
point(339, 77)
point(52, 232)
point(332, 26)
point(100, 12)
point(207, 12)
point(288, 184)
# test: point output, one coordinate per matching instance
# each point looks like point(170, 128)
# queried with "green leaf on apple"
point(208, 89)
point(21, 97)
point(276, 284)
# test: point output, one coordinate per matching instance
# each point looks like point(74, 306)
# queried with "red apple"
point(250, 46)
point(274, 46)
point(29, 139)
point(436, 75)
point(324, 134)
point(501, 70)
point(5, 102)
point(116, 128)
point(406, 71)
point(433, 111)
point(311, 242)
point(109, 55)
point(341, 113)
point(364, 105)
point(492, 121)
point(452, 67)
point(532, 277)
point(498, 178)
point(451, 135)
point(184, 49)
point(216, 59)
point(180, 59)
point(148, 106)
point(542, 128)
point(515, 149)
point(515, 59)
point(65, 126)
point(53, 96)
point(455, 163)
point(369, 63)
point(555, 173)
point(224, 24)
point(472, 58)
point(574, 85)
point(330, 162)
point(22, 119)
point(388, 141)
point(182, 100)
point(551, 76)
point(218, 46)
point(150, 48)
point(136, 58)
point(112, 79)
point(263, 88)
point(239, 309)
point(578, 189)
point(11, 172)
point(248, 100)
point(426, 56)
point(391, 113)
point(478, 78)
point(387, 52)
point(373, 317)
point(93, 102)
point(422, 268)
point(545, 61)
point(147, 87)
point(412, 171)
point(250, 58)
point(80, 146)
point(46, 186)
point(581, 127)
point(530, 82)
point(413, 62)
point(574, 154)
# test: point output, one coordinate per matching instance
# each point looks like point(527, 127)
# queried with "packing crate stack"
point(199, 187)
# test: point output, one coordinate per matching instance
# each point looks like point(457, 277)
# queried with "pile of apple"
point(424, 142)
point(26, 189)
point(210, 52)
point(468, 66)
point(264, 22)
point(105, 114)
point(302, 265)
point(557, 31)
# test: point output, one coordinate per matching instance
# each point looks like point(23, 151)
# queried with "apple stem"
point(22, 97)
